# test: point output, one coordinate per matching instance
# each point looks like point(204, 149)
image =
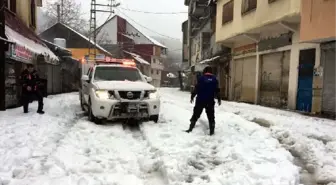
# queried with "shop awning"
point(138, 58)
point(17, 32)
point(31, 45)
point(209, 60)
point(4, 39)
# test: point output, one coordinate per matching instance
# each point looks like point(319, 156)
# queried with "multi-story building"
point(23, 45)
point(318, 26)
point(148, 52)
point(203, 50)
point(270, 64)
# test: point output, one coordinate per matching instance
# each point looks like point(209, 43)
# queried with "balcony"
point(247, 21)
point(198, 8)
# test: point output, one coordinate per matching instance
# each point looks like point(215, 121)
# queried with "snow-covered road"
point(61, 148)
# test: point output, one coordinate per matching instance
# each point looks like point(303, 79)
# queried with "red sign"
point(21, 52)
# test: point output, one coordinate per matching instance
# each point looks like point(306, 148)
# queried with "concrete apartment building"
point(276, 50)
point(318, 26)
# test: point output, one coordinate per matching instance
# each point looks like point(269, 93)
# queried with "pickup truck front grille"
point(126, 95)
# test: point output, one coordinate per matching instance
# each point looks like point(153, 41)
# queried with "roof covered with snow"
point(86, 38)
point(74, 38)
point(137, 58)
point(31, 45)
point(152, 40)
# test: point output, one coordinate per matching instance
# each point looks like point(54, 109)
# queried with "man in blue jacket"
point(206, 91)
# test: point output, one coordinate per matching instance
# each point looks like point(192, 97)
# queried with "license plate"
point(132, 108)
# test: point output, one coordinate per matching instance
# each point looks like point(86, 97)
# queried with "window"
point(152, 71)
point(117, 74)
point(163, 51)
point(248, 5)
point(157, 72)
point(32, 13)
point(12, 5)
point(227, 12)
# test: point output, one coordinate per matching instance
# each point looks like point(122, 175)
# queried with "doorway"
point(305, 80)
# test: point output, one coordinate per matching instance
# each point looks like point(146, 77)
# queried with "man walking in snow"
point(206, 90)
point(30, 88)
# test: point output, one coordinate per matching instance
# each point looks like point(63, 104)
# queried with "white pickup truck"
point(118, 91)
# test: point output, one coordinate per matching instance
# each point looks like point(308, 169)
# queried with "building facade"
point(318, 26)
point(147, 52)
point(201, 43)
point(23, 46)
point(271, 65)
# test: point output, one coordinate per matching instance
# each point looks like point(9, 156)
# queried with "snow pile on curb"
point(25, 140)
point(311, 139)
point(239, 153)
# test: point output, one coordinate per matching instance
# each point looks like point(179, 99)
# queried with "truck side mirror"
point(85, 78)
point(149, 79)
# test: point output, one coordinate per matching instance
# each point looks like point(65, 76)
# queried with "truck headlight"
point(102, 94)
point(153, 94)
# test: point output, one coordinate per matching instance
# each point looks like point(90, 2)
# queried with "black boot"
point(40, 111)
point(191, 126)
point(212, 129)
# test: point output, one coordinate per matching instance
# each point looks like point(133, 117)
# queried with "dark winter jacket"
point(206, 89)
point(31, 80)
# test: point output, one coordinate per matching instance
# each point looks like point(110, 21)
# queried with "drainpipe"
point(190, 79)
point(2, 56)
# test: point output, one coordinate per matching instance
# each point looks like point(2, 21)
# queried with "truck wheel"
point(154, 118)
point(92, 118)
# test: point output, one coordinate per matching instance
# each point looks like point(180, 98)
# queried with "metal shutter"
point(274, 79)
point(328, 95)
point(244, 79)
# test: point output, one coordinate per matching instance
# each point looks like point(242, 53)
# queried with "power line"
point(140, 11)
point(172, 38)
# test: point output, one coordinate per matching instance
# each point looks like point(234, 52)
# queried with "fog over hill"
point(174, 59)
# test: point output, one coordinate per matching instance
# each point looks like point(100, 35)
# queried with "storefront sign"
point(282, 40)
point(250, 48)
point(21, 52)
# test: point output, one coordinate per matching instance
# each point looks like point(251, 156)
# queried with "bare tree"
point(70, 14)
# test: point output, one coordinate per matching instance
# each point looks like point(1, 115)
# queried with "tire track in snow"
point(148, 157)
point(100, 154)
point(37, 164)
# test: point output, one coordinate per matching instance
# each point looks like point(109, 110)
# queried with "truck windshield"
point(117, 74)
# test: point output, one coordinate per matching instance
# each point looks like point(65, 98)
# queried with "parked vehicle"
point(117, 91)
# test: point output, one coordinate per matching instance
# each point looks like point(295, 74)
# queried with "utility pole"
point(62, 11)
point(93, 22)
point(2, 57)
point(58, 13)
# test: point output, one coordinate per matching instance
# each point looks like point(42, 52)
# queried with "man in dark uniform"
point(30, 88)
point(206, 90)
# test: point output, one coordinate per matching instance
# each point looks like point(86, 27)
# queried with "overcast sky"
point(169, 25)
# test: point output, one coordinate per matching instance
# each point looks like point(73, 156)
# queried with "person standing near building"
point(206, 90)
point(30, 88)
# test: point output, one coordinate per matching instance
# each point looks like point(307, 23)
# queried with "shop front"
point(16, 59)
point(25, 48)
